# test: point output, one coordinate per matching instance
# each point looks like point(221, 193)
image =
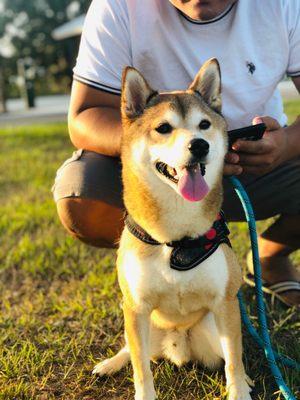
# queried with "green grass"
point(292, 109)
point(60, 310)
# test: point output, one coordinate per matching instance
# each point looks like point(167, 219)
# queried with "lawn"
point(60, 302)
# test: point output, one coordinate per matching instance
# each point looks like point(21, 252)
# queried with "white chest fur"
point(153, 284)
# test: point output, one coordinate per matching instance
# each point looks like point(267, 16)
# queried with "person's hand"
point(231, 166)
point(262, 156)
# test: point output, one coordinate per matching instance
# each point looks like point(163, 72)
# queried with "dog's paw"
point(239, 392)
point(146, 392)
point(239, 396)
point(145, 397)
point(106, 367)
point(113, 364)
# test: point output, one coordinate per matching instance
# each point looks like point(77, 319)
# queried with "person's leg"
point(277, 193)
point(88, 193)
point(275, 246)
point(92, 221)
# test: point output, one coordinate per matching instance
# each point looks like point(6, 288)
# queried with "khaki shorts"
point(94, 176)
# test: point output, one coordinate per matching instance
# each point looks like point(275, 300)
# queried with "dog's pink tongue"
point(192, 185)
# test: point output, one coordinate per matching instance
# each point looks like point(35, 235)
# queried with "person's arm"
point(94, 120)
point(105, 49)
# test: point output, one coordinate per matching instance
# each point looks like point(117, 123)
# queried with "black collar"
point(188, 252)
point(210, 21)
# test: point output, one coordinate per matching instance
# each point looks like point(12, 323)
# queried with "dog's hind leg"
point(176, 347)
point(205, 342)
point(113, 364)
point(156, 338)
point(117, 362)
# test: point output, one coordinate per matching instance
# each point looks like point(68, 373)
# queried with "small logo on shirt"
point(251, 67)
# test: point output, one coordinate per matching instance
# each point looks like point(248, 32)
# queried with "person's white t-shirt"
point(256, 42)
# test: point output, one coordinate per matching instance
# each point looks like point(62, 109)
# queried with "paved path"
point(48, 109)
point(55, 108)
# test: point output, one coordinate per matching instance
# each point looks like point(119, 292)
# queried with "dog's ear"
point(135, 93)
point(208, 83)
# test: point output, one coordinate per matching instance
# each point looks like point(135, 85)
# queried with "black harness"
point(187, 253)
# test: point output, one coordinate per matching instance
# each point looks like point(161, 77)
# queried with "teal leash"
point(263, 339)
point(288, 362)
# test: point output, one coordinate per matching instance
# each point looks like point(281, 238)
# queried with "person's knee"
point(92, 221)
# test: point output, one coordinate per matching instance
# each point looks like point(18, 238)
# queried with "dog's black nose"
point(199, 148)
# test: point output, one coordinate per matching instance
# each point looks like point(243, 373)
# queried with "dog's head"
point(178, 138)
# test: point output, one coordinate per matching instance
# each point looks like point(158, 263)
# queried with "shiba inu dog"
point(177, 272)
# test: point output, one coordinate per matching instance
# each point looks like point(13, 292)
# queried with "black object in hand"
point(252, 132)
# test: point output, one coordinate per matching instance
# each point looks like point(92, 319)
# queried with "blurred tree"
point(2, 92)
point(3, 84)
point(25, 32)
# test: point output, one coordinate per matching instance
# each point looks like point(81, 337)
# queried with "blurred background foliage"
point(25, 33)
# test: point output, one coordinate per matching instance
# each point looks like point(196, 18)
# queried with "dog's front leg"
point(137, 326)
point(229, 326)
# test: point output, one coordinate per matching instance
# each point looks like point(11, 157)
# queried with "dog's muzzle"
point(199, 149)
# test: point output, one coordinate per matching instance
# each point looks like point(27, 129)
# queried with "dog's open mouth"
point(189, 180)
point(171, 173)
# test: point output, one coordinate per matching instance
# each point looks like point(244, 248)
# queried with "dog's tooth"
point(171, 170)
point(196, 167)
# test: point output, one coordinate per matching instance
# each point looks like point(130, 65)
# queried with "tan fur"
point(235, 273)
point(131, 242)
point(137, 331)
point(181, 316)
point(213, 201)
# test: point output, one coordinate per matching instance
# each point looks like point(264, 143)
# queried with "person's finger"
point(232, 158)
point(254, 170)
point(257, 120)
point(271, 123)
point(254, 147)
point(255, 160)
point(232, 169)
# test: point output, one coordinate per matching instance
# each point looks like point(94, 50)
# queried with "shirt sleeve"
point(105, 47)
point(293, 15)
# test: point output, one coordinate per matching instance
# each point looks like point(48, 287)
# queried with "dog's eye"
point(164, 128)
point(204, 124)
